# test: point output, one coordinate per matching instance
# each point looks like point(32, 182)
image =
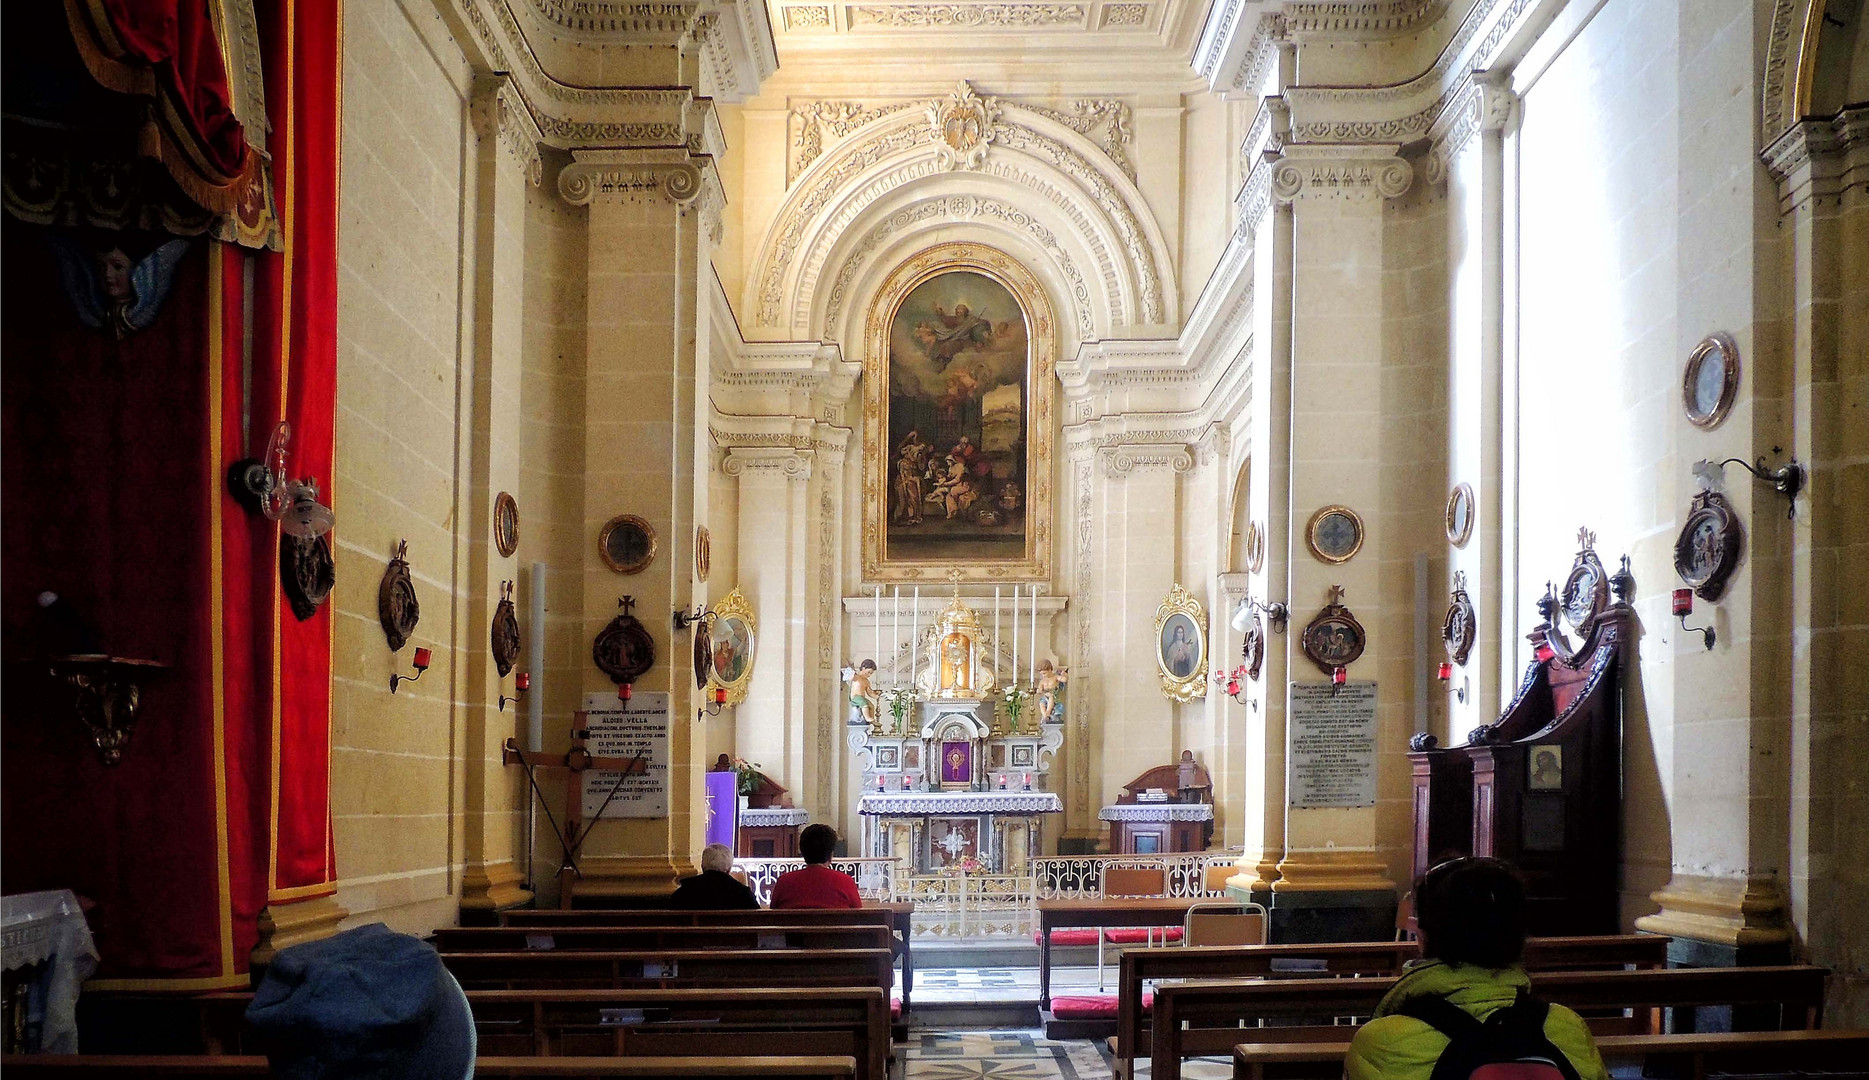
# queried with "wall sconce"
point(685, 619)
point(106, 692)
point(1339, 675)
point(1233, 682)
point(260, 484)
point(1787, 479)
point(624, 690)
point(1275, 615)
point(719, 701)
point(1683, 607)
point(1445, 673)
point(422, 657)
point(522, 682)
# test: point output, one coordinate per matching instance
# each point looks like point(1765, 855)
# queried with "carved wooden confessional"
point(1541, 787)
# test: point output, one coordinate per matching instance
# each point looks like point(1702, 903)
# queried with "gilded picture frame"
point(1034, 502)
point(734, 636)
point(1181, 646)
point(1335, 534)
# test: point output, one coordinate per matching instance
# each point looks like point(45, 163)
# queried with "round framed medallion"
point(1711, 380)
point(627, 544)
point(505, 524)
point(703, 552)
point(1255, 547)
point(1585, 592)
point(1460, 515)
point(1334, 638)
point(1707, 551)
point(1335, 534)
point(1252, 649)
point(1457, 629)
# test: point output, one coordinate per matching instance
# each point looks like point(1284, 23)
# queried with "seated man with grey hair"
point(714, 888)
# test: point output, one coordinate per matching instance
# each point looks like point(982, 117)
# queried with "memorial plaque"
point(625, 729)
point(1333, 745)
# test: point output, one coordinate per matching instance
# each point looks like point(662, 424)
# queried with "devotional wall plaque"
point(1459, 518)
point(1586, 590)
point(1707, 551)
point(1711, 381)
point(1334, 639)
point(958, 420)
point(627, 544)
point(1335, 534)
point(504, 634)
point(505, 524)
point(1458, 627)
point(396, 606)
point(307, 573)
point(1181, 646)
point(733, 639)
point(623, 649)
point(1252, 647)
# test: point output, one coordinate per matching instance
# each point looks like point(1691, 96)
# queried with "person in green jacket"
point(1471, 917)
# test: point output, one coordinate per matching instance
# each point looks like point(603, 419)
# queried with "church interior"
point(1105, 458)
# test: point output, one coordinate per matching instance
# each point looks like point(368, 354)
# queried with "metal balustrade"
point(993, 906)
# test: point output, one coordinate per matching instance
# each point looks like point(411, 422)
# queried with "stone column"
point(1333, 882)
point(649, 227)
point(493, 795)
point(775, 519)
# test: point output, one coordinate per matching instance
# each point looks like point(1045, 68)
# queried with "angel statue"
point(863, 700)
point(113, 291)
point(1050, 688)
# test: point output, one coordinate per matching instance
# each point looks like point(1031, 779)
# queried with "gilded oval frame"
point(733, 608)
point(1317, 521)
point(1181, 603)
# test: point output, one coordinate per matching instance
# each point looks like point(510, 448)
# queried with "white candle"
point(915, 622)
point(879, 623)
point(895, 633)
point(996, 633)
point(1015, 633)
point(1031, 678)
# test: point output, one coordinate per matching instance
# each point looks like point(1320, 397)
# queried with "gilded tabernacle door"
point(957, 411)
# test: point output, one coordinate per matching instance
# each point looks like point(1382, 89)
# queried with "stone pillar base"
point(626, 881)
point(1722, 922)
point(285, 925)
point(488, 890)
point(1304, 917)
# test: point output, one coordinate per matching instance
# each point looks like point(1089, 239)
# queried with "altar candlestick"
point(1015, 632)
point(895, 633)
point(1031, 675)
point(915, 634)
point(878, 612)
point(996, 633)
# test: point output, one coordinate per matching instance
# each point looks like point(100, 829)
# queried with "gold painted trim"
point(302, 892)
point(1255, 547)
point(1310, 533)
point(734, 605)
point(217, 599)
point(1456, 535)
point(505, 524)
point(178, 986)
point(1041, 419)
point(1729, 384)
point(1192, 686)
point(611, 526)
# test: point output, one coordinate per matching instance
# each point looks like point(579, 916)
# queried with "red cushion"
point(1093, 1006)
point(895, 1008)
point(1121, 935)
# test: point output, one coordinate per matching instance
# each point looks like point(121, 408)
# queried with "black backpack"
point(1510, 1045)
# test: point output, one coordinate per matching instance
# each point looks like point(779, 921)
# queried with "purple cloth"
point(723, 808)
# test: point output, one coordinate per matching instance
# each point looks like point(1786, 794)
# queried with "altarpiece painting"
point(958, 375)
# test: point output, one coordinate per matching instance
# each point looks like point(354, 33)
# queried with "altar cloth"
point(889, 804)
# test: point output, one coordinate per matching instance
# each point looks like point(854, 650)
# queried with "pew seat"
point(129, 1067)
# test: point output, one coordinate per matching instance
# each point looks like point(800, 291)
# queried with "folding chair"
point(1224, 922)
point(1126, 882)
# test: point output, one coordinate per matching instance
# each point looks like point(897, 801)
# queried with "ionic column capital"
point(1354, 172)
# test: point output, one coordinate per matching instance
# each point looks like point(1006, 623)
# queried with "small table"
point(1094, 911)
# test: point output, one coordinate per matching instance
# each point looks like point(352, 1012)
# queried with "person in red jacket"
point(817, 885)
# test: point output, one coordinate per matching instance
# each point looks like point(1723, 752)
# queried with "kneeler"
point(575, 762)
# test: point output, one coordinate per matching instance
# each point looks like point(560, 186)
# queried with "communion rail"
point(998, 907)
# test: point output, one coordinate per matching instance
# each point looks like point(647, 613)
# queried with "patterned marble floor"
point(991, 984)
point(1023, 1055)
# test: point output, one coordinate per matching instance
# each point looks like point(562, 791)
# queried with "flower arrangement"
point(966, 864)
point(1015, 705)
point(898, 700)
point(749, 776)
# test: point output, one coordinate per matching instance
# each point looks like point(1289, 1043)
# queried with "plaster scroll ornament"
point(962, 125)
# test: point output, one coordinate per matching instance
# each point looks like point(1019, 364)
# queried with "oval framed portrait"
point(1707, 550)
point(1460, 515)
point(1255, 547)
point(1335, 534)
point(1334, 638)
point(1711, 381)
point(627, 544)
point(734, 637)
point(505, 524)
point(1181, 646)
point(703, 654)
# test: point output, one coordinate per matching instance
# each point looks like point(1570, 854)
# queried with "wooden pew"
point(672, 968)
point(1137, 967)
point(1196, 1018)
point(458, 939)
point(895, 915)
point(1691, 1056)
point(691, 1023)
point(127, 1067)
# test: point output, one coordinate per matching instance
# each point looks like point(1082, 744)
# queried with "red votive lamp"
point(1233, 687)
point(1339, 676)
point(720, 695)
point(624, 690)
point(1445, 671)
point(879, 783)
point(422, 657)
point(522, 681)
point(1683, 601)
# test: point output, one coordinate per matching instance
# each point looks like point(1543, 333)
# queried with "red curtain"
point(113, 458)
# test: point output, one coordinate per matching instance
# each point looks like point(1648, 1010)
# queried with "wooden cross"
point(575, 762)
point(626, 603)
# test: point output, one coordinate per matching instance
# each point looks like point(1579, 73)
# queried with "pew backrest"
point(128, 1067)
point(873, 915)
point(457, 939)
point(668, 968)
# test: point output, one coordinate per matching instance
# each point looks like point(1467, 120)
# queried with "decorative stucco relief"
point(1125, 15)
point(500, 114)
point(811, 119)
point(808, 17)
point(986, 16)
point(1080, 750)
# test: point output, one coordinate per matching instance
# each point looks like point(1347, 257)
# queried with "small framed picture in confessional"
point(1545, 768)
point(1148, 843)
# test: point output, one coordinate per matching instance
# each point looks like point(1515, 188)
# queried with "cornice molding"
point(1366, 21)
point(499, 113)
point(1819, 158)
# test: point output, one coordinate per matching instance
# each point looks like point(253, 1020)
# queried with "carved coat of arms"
point(962, 127)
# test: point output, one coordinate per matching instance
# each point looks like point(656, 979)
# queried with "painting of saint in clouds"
point(957, 422)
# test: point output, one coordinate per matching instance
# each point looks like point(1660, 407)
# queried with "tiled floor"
point(1023, 1055)
point(987, 984)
